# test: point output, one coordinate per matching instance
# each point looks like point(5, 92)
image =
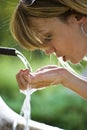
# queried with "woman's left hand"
point(46, 76)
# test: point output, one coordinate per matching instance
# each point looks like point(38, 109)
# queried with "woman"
point(53, 26)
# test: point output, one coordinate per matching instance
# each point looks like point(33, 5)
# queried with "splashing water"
point(26, 109)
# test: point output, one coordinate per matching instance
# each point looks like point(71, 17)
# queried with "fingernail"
point(21, 70)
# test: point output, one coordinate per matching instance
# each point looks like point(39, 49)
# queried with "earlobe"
point(83, 29)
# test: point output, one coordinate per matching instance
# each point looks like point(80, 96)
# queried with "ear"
point(81, 19)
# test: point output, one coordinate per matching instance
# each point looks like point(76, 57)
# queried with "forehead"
point(42, 20)
point(43, 24)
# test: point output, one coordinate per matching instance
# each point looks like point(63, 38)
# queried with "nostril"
point(49, 51)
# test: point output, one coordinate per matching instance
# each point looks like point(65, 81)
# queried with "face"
point(64, 39)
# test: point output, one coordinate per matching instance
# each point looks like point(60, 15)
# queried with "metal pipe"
point(14, 52)
point(8, 51)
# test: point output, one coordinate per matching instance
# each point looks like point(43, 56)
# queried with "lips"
point(60, 56)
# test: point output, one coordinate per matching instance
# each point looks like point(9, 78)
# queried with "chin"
point(75, 61)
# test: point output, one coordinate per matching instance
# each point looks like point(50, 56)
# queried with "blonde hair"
point(24, 31)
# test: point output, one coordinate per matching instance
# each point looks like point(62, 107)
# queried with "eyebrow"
point(44, 32)
point(41, 31)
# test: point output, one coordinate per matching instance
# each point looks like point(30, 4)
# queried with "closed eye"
point(48, 38)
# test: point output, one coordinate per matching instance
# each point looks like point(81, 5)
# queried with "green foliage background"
point(55, 105)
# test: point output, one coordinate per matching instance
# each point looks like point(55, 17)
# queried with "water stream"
point(26, 107)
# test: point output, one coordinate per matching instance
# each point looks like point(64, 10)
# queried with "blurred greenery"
point(55, 105)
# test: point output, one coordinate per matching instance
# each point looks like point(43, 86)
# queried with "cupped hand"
point(45, 76)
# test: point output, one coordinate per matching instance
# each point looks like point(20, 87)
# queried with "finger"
point(42, 84)
point(45, 78)
point(20, 79)
point(22, 82)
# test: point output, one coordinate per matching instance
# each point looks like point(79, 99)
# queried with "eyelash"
point(48, 38)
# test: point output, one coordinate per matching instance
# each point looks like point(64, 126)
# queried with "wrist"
point(63, 75)
point(67, 77)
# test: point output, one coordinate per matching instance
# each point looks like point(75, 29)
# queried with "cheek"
point(65, 42)
point(62, 45)
point(69, 43)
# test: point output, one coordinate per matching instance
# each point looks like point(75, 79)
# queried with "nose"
point(49, 51)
